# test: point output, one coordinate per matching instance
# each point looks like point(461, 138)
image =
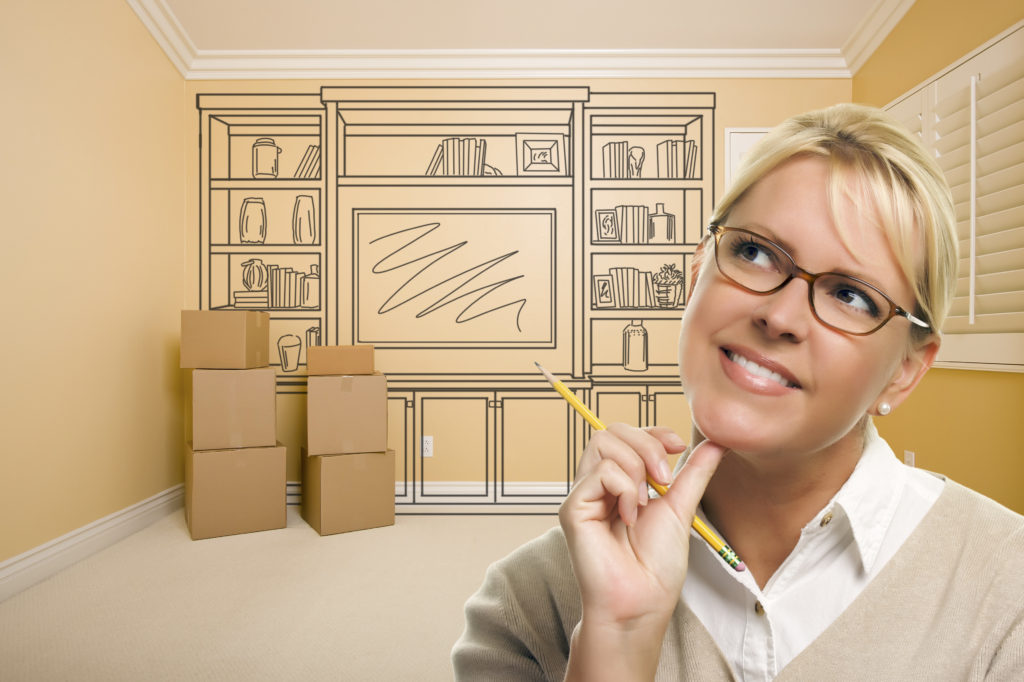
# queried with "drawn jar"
point(254, 275)
point(311, 288)
point(252, 221)
point(303, 220)
point(634, 347)
point(264, 158)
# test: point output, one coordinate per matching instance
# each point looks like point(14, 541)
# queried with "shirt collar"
point(869, 498)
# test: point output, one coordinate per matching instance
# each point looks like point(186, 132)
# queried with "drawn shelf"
point(262, 214)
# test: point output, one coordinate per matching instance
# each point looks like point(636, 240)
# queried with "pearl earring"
point(884, 408)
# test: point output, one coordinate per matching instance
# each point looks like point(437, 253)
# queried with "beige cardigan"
point(948, 606)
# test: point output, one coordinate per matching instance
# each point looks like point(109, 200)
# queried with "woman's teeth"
point(758, 370)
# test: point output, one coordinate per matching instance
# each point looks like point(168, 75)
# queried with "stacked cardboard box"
point(234, 465)
point(348, 474)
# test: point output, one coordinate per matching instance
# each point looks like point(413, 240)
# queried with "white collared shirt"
point(838, 553)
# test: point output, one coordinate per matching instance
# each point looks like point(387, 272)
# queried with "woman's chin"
point(728, 428)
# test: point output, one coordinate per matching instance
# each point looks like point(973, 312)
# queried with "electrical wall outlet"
point(908, 457)
point(427, 448)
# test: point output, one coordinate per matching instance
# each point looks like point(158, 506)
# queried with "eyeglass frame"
point(716, 230)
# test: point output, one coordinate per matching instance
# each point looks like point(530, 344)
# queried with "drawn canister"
point(264, 158)
point(252, 221)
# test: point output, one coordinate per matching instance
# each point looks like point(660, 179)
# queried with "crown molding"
point(345, 64)
point(196, 64)
point(874, 29)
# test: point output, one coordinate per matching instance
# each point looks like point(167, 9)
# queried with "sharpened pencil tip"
point(547, 375)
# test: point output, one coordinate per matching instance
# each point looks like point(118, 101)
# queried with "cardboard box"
point(225, 339)
point(342, 493)
point(235, 491)
point(326, 360)
point(234, 408)
point(346, 414)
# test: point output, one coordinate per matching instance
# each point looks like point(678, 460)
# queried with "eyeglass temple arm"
point(914, 320)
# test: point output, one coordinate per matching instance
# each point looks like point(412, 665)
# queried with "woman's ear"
point(910, 372)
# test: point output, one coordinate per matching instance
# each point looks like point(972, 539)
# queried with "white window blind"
point(971, 117)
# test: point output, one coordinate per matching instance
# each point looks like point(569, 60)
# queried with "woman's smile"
point(757, 374)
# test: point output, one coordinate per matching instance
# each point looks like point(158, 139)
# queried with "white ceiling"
point(477, 38)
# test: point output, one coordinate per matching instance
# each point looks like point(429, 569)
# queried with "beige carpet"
point(383, 604)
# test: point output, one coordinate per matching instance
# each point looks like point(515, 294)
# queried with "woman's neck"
point(761, 503)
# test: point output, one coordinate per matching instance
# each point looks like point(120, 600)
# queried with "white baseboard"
point(39, 563)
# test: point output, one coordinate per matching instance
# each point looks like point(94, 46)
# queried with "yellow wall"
point(931, 36)
point(965, 424)
point(92, 173)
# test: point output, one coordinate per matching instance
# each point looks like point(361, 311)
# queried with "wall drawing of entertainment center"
point(466, 232)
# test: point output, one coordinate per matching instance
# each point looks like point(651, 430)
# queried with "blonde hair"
point(899, 178)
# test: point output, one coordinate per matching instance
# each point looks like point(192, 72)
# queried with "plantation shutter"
point(972, 118)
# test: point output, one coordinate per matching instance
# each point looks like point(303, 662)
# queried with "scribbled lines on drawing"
point(449, 290)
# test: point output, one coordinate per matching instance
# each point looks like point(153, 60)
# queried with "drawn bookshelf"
point(262, 241)
point(649, 192)
point(466, 232)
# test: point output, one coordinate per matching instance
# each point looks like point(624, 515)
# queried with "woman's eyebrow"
point(768, 233)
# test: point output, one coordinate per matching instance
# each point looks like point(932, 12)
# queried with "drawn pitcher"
point(264, 158)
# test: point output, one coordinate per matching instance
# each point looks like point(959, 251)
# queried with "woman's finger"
point(595, 496)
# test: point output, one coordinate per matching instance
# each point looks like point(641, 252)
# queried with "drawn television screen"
point(455, 278)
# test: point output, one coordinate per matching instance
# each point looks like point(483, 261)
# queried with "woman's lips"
point(757, 373)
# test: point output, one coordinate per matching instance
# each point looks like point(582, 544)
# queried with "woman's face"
point(819, 382)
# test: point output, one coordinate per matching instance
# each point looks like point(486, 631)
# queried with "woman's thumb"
point(688, 486)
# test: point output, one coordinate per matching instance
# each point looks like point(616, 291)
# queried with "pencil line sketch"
point(476, 264)
point(458, 280)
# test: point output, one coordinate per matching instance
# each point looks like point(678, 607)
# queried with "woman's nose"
point(786, 313)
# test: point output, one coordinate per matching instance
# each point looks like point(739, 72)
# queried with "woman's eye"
point(755, 254)
point(856, 299)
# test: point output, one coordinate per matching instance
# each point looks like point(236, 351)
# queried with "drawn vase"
point(634, 347)
point(311, 288)
point(264, 158)
point(252, 221)
point(254, 275)
point(303, 220)
point(661, 226)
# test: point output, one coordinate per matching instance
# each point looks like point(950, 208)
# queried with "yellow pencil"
point(709, 536)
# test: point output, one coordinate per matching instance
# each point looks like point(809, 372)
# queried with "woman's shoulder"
point(979, 516)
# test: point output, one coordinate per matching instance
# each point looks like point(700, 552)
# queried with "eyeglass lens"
point(837, 300)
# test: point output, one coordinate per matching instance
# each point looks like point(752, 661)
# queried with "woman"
point(819, 292)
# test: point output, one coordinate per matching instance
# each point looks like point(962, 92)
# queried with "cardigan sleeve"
point(519, 622)
point(1008, 663)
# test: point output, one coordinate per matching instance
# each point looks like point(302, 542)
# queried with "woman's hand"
point(629, 553)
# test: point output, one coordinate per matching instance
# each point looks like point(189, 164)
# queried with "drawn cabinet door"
point(453, 451)
point(400, 410)
point(643, 405)
point(667, 406)
point(535, 439)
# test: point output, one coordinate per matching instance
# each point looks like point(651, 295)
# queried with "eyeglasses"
point(840, 302)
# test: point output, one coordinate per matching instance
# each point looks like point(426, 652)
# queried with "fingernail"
point(664, 472)
point(676, 440)
point(643, 494)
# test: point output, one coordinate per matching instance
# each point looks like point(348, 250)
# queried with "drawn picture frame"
point(606, 227)
point(604, 291)
point(540, 154)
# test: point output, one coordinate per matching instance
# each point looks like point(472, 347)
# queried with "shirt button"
point(826, 519)
point(758, 608)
